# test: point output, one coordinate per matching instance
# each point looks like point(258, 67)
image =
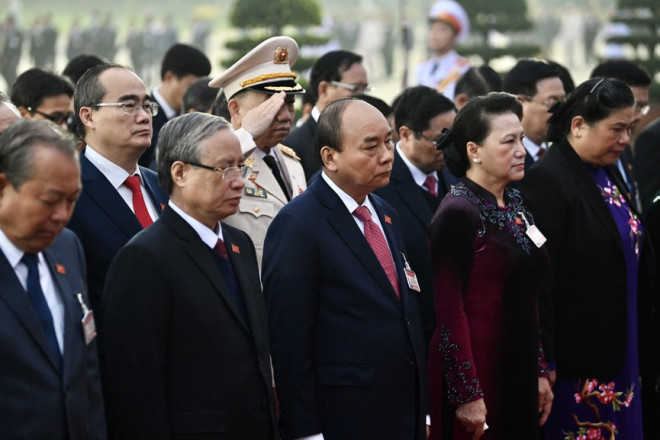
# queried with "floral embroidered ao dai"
point(486, 275)
point(628, 420)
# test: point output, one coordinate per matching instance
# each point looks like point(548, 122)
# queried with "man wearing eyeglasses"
point(337, 74)
point(538, 86)
point(639, 82)
point(260, 89)
point(39, 94)
point(119, 198)
point(186, 338)
point(419, 181)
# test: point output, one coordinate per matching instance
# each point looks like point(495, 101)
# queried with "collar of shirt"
point(113, 172)
point(208, 236)
point(164, 106)
point(533, 149)
point(351, 204)
point(418, 175)
point(447, 59)
point(316, 113)
point(12, 253)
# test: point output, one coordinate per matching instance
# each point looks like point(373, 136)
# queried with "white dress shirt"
point(163, 105)
point(208, 236)
point(117, 176)
point(14, 256)
point(534, 149)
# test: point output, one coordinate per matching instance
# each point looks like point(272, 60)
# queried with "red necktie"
point(140, 208)
point(431, 185)
point(221, 249)
point(378, 244)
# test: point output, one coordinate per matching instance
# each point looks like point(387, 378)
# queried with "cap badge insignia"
point(281, 55)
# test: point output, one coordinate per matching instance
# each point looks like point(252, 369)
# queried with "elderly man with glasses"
point(119, 198)
point(186, 340)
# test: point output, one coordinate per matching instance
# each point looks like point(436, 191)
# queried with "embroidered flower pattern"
point(503, 218)
point(605, 394)
point(460, 389)
point(613, 196)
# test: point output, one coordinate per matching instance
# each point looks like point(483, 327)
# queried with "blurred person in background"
point(8, 112)
point(486, 364)
point(199, 97)
point(448, 25)
point(39, 94)
point(476, 81)
point(596, 304)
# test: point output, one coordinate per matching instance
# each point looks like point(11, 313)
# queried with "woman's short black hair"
point(594, 100)
point(473, 124)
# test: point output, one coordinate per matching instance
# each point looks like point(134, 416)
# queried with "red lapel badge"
point(235, 249)
point(60, 269)
point(519, 221)
point(388, 220)
point(162, 206)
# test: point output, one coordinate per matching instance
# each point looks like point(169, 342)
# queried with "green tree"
point(275, 14)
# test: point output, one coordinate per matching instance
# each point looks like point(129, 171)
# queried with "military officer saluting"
point(448, 24)
point(260, 89)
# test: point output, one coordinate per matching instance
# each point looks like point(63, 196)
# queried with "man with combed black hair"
point(39, 94)
point(419, 180)
point(181, 65)
point(538, 86)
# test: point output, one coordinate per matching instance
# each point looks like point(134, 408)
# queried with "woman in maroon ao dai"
point(486, 364)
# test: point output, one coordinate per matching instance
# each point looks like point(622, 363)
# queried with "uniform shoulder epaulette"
point(289, 152)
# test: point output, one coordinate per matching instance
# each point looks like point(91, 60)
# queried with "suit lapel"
point(239, 268)
point(15, 297)
point(153, 191)
point(343, 223)
point(108, 200)
point(410, 192)
point(72, 309)
point(199, 253)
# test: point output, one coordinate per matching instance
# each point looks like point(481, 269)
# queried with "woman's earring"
point(476, 160)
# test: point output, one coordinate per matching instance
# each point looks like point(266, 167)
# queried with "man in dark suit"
point(114, 114)
point(180, 67)
point(337, 74)
point(647, 162)
point(49, 377)
point(186, 337)
point(418, 183)
point(538, 86)
point(347, 343)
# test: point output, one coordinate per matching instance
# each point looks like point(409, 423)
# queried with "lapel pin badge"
point(388, 220)
point(162, 206)
point(60, 269)
point(235, 249)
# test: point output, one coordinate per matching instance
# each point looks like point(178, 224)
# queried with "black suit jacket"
point(416, 210)
point(302, 141)
point(348, 354)
point(587, 279)
point(180, 362)
point(38, 400)
point(104, 223)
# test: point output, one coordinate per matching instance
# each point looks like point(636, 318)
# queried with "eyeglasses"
point(419, 134)
point(229, 173)
point(642, 109)
point(131, 107)
point(354, 88)
point(547, 103)
point(58, 118)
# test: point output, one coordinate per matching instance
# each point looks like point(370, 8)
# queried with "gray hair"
point(180, 140)
point(22, 138)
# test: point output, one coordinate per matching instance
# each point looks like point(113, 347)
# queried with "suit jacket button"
point(410, 361)
point(407, 321)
